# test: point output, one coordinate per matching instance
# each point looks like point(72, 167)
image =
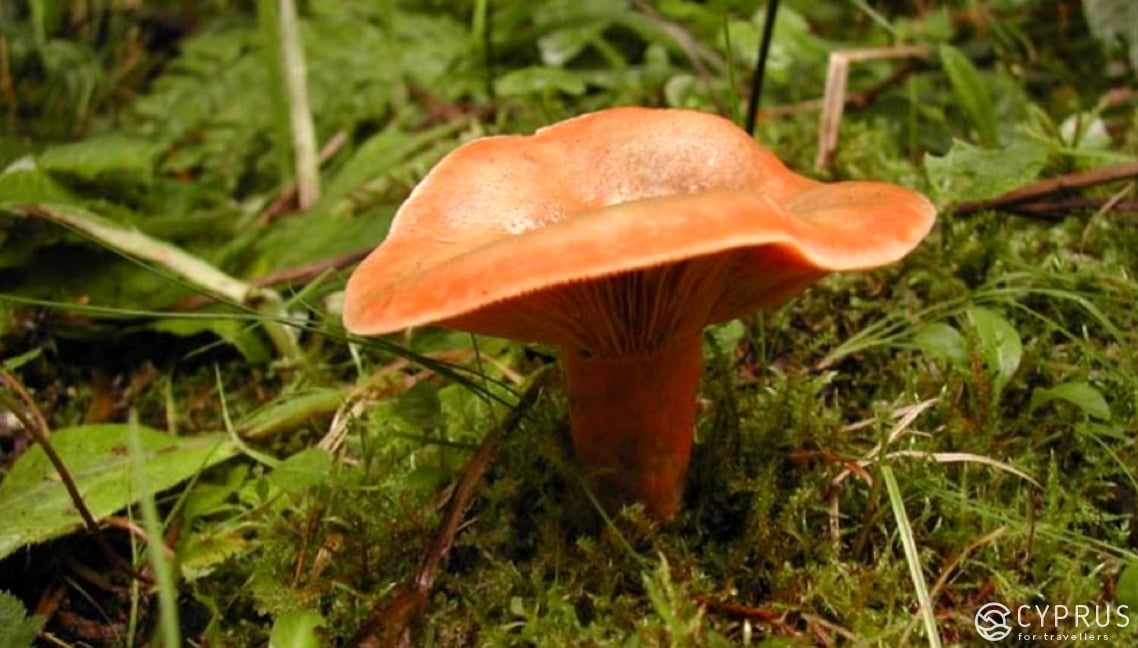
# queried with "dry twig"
point(389, 625)
point(1035, 190)
point(834, 102)
point(36, 425)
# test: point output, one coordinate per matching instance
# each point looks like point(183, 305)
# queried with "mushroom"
point(618, 236)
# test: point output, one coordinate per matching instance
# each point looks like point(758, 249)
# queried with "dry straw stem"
point(141, 246)
point(300, 115)
point(197, 271)
point(905, 415)
point(834, 101)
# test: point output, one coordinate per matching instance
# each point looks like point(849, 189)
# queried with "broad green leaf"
point(971, 92)
point(37, 506)
point(291, 242)
point(998, 343)
point(682, 91)
point(376, 157)
point(297, 629)
point(215, 497)
point(969, 173)
point(1079, 394)
point(302, 470)
point(539, 80)
point(942, 341)
point(98, 157)
point(18, 629)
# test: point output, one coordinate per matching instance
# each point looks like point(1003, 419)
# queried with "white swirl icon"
point(992, 621)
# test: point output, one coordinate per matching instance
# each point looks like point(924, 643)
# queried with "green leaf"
point(539, 80)
point(17, 628)
point(37, 506)
point(290, 242)
point(998, 343)
point(727, 336)
point(13, 363)
point(297, 629)
point(969, 173)
point(376, 157)
point(28, 185)
point(290, 411)
point(97, 157)
point(942, 341)
point(971, 92)
point(1079, 394)
point(302, 470)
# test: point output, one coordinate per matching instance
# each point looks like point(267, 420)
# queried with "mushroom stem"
point(632, 419)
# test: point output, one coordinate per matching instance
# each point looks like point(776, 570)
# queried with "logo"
point(992, 621)
point(1051, 622)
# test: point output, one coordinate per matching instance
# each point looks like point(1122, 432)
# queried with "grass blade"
point(909, 544)
point(163, 570)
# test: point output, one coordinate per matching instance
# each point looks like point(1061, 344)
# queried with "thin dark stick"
point(1059, 208)
point(36, 425)
point(1030, 192)
point(389, 626)
point(761, 66)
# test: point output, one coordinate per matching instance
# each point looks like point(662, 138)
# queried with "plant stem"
point(761, 66)
point(304, 146)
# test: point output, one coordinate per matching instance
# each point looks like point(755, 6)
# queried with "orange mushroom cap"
point(607, 193)
point(618, 236)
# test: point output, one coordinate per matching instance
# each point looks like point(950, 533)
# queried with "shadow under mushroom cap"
point(614, 192)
